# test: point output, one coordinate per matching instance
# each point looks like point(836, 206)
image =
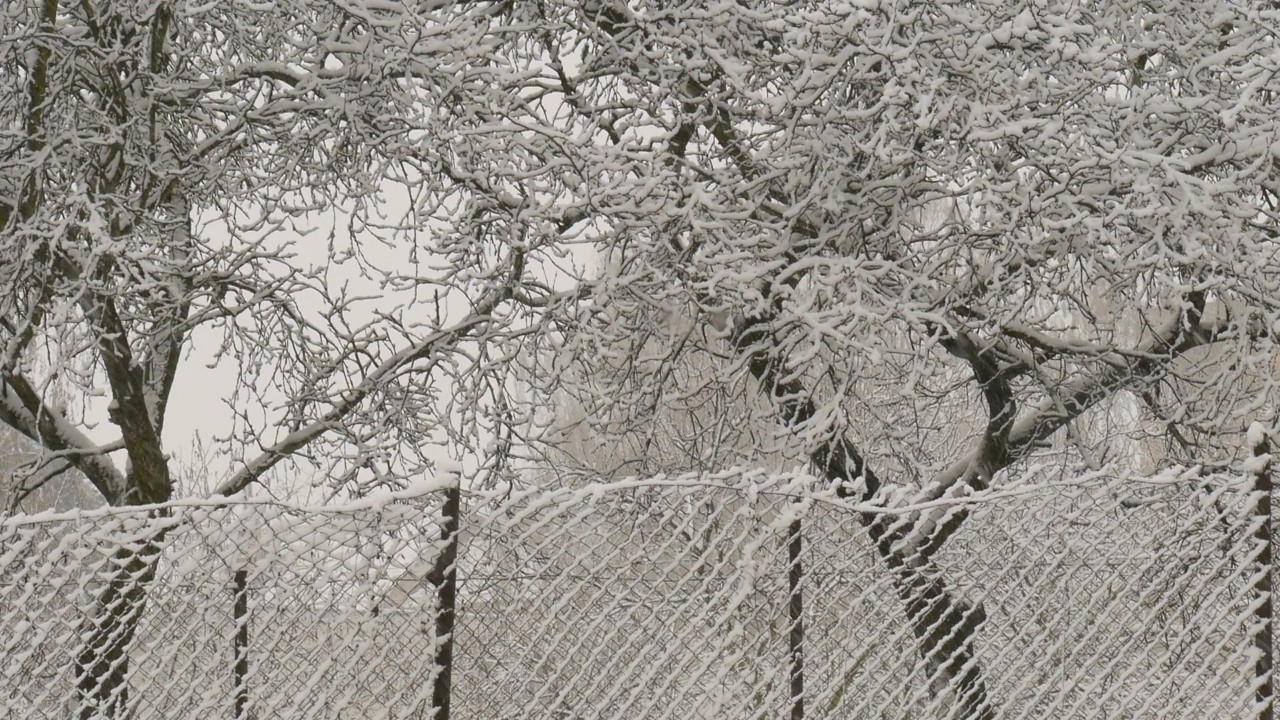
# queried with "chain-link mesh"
point(316, 607)
point(712, 597)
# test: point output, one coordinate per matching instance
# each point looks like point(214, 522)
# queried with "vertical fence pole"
point(795, 613)
point(240, 671)
point(445, 578)
point(1263, 616)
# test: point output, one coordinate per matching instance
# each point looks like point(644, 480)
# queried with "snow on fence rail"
point(733, 596)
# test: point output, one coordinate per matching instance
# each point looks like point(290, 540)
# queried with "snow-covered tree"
point(224, 173)
point(176, 172)
point(928, 237)
point(939, 236)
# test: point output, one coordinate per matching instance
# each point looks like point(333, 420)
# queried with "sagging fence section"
point(729, 596)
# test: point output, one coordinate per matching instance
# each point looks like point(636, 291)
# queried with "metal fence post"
point(1262, 639)
point(795, 612)
point(240, 669)
point(445, 578)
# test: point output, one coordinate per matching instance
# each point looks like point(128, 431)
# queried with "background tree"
point(170, 172)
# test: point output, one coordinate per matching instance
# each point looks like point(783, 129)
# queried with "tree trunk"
point(102, 668)
point(945, 630)
point(945, 627)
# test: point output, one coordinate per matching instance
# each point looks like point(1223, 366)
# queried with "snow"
point(1257, 435)
point(858, 176)
point(1255, 464)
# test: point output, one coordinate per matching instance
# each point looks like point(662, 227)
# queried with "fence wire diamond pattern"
point(726, 596)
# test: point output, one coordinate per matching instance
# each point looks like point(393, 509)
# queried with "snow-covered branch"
point(431, 349)
point(22, 409)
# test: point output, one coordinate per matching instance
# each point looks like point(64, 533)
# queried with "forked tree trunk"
point(945, 627)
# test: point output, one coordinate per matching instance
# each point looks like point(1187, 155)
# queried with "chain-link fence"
point(732, 596)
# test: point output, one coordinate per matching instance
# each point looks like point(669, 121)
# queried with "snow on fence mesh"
point(723, 597)
point(290, 596)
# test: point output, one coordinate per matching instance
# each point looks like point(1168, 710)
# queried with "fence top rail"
point(374, 501)
point(749, 482)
